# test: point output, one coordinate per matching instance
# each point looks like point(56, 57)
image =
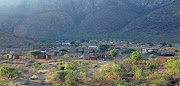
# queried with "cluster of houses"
point(88, 50)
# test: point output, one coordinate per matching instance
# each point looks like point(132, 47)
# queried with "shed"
point(43, 57)
point(92, 58)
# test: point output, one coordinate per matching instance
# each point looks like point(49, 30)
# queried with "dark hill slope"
point(162, 24)
point(8, 40)
point(73, 18)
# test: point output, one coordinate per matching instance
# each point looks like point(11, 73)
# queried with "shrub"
point(72, 65)
point(31, 61)
point(71, 79)
point(5, 61)
point(83, 63)
point(9, 72)
point(157, 79)
point(98, 79)
point(3, 82)
point(66, 56)
point(60, 60)
point(37, 65)
point(151, 56)
point(138, 75)
point(151, 66)
point(136, 55)
point(114, 52)
point(59, 76)
point(128, 51)
point(173, 66)
point(112, 77)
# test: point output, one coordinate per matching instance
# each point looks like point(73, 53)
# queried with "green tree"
point(56, 53)
point(114, 52)
point(72, 42)
point(151, 56)
point(34, 53)
point(103, 48)
point(136, 55)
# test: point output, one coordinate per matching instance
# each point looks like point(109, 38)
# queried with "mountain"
point(162, 24)
point(79, 18)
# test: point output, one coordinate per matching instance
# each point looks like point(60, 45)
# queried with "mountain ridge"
point(71, 18)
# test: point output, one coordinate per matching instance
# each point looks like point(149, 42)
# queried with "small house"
point(43, 57)
point(92, 58)
point(69, 44)
point(13, 56)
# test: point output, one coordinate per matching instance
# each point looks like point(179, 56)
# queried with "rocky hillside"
point(9, 40)
point(162, 24)
point(71, 18)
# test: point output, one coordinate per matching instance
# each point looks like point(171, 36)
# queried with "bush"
point(151, 66)
point(173, 66)
point(60, 60)
point(31, 61)
point(59, 76)
point(83, 63)
point(114, 52)
point(157, 80)
point(9, 72)
point(37, 65)
point(3, 82)
point(6, 61)
point(71, 79)
point(71, 65)
point(138, 75)
point(136, 55)
point(151, 56)
point(128, 51)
